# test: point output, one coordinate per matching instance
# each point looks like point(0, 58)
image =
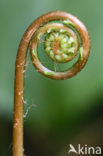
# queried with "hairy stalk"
point(64, 39)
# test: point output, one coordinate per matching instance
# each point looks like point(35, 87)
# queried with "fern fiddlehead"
point(65, 37)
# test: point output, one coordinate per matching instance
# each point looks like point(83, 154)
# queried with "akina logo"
point(84, 150)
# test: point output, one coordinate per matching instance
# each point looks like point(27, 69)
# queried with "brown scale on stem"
point(32, 37)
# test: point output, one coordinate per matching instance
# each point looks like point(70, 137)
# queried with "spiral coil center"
point(59, 46)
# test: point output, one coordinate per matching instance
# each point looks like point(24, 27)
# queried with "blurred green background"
point(60, 112)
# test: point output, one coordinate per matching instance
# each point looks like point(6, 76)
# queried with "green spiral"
point(60, 45)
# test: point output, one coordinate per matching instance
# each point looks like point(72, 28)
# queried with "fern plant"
point(65, 37)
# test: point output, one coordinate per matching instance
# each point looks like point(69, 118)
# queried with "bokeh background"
point(60, 112)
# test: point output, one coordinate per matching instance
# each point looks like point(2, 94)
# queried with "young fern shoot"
point(65, 37)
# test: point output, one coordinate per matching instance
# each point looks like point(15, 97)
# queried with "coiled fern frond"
point(64, 38)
